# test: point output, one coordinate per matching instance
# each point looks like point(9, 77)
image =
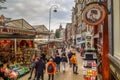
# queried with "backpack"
point(50, 68)
point(72, 60)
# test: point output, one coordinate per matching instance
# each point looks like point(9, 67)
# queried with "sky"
point(36, 12)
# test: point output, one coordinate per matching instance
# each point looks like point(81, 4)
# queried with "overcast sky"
point(36, 12)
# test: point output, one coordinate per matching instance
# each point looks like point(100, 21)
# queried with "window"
point(116, 26)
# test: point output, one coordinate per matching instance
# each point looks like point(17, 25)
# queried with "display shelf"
point(23, 58)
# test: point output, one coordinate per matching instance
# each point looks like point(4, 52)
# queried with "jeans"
point(50, 75)
point(58, 67)
point(63, 65)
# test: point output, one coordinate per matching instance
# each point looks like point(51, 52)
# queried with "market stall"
point(90, 65)
point(16, 40)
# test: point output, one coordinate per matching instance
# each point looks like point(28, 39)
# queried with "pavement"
point(67, 75)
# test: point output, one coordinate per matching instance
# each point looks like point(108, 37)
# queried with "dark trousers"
point(40, 75)
point(75, 68)
point(70, 63)
point(50, 75)
point(31, 72)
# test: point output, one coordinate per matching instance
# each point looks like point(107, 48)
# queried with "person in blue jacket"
point(57, 61)
point(64, 60)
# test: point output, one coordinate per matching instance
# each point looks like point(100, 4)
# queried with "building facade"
point(114, 39)
point(68, 33)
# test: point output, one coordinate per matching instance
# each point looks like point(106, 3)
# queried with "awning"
point(80, 42)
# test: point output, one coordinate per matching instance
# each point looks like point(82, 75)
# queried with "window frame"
point(116, 46)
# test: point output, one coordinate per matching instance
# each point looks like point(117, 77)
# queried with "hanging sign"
point(94, 14)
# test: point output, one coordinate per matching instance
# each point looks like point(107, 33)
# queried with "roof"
point(40, 28)
point(20, 24)
point(23, 27)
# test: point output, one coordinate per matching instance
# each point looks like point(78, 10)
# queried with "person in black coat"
point(69, 56)
point(40, 69)
point(32, 66)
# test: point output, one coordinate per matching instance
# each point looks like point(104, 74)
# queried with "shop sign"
point(94, 68)
point(88, 37)
point(94, 14)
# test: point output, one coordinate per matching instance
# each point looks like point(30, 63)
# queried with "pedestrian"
point(73, 60)
point(64, 60)
point(81, 51)
point(69, 56)
point(40, 69)
point(51, 69)
point(32, 66)
point(57, 52)
point(36, 60)
point(43, 57)
point(57, 61)
point(73, 49)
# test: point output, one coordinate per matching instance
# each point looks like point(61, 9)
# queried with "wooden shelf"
point(24, 58)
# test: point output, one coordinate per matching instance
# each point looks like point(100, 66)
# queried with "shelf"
point(23, 58)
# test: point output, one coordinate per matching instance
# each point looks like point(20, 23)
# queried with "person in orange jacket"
point(51, 69)
point(73, 60)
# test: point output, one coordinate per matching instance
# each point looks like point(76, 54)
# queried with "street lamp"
point(54, 7)
point(54, 10)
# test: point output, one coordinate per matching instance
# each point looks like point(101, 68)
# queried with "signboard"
point(94, 14)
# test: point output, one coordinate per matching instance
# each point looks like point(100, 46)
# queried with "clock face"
point(94, 14)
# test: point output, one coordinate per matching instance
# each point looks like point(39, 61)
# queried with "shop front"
point(15, 46)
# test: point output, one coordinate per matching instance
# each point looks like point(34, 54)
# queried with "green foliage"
point(57, 34)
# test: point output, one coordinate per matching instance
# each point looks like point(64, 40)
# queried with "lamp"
point(54, 10)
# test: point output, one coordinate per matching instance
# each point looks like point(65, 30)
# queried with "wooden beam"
point(105, 60)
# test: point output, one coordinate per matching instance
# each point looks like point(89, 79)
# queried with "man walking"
point(32, 66)
point(40, 69)
point(57, 61)
point(64, 60)
point(69, 56)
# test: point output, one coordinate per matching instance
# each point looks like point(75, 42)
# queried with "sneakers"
point(75, 72)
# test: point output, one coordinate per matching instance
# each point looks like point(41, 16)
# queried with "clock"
point(94, 14)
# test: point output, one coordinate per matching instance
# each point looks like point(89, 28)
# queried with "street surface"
point(67, 75)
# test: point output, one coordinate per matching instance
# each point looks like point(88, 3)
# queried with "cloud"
point(36, 12)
